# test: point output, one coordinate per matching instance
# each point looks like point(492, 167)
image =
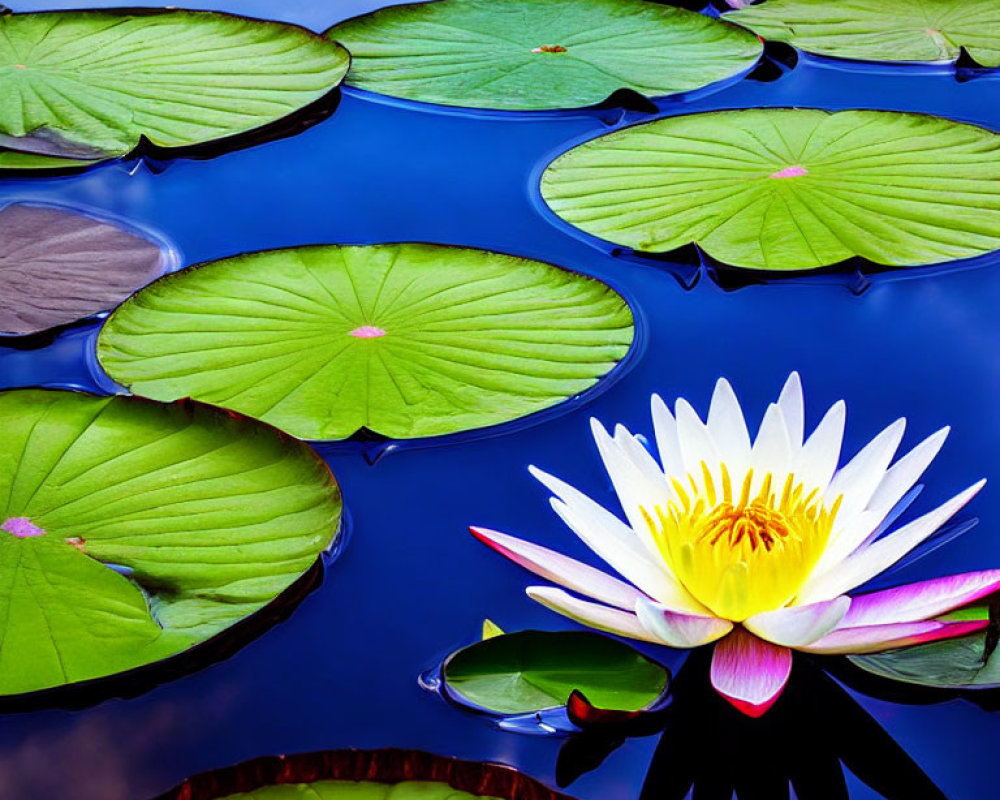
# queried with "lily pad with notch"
point(387, 774)
point(540, 54)
point(601, 679)
point(132, 531)
point(930, 31)
point(58, 266)
point(405, 340)
point(80, 87)
point(788, 189)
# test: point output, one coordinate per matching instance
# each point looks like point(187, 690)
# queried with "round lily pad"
point(131, 531)
point(528, 671)
point(405, 340)
point(539, 54)
point(362, 775)
point(881, 30)
point(77, 87)
point(788, 189)
point(58, 266)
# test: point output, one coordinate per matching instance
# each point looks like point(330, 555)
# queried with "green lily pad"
point(970, 662)
point(362, 775)
point(539, 54)
point(528, 671)
point(204, 516)
point(881, 30)
point(406, 340)
point(788, 189)
point(77, 87)
point(58, 266)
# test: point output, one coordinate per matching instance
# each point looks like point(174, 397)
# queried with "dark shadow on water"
point(710, 751)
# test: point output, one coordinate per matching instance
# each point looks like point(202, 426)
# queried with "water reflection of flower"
point(752, 544)
point(709, 752)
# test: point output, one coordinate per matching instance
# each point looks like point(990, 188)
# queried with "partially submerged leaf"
point(204, 516)
point(528, 671)
point(81, 86)
point(788, 189)
point(362, 775)
point(406, 340)
point(966, 663)
point(539, 54)
point(57, 266)
point(881, 30)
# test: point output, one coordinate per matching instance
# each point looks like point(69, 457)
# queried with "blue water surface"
point(413, 584)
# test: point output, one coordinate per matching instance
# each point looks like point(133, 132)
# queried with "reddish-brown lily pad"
point(59, 266)
point(362, 775)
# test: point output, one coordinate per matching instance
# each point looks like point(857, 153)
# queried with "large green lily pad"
point(881, 30)
point(406, 340)
point(520, 673)
point(539, 54)
point(362, 775)
point(77, 87)
point(206, 518)
point(788, 189)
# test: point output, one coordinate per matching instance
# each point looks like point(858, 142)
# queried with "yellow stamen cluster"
point(741, 555)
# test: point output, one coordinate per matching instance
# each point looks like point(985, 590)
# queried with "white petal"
point(594, 615)
point(679, 630)
point(906, 472)
point(565, 571)
point(696, 442)
point(799, 625)
point(793, 409)
point(634, 489)
point(868, 562)
point(728, 428)
point(634, 451)
point(772, 452)
point(816, 462)
point(616, 543)
point(860, 477)
point(665, 430)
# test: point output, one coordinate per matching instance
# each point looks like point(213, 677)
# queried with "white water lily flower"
point(753, 545)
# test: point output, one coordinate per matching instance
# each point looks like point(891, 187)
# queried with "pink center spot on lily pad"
point(19, 66)
point(794, 171)
point(367, 332)
point(21, 527)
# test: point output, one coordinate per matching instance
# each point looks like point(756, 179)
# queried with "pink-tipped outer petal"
point(876, 638)
point(565, 571)
point(919, 601)
point(593, 615)
point(682, 631)
point(799, 625)
point(749, 672)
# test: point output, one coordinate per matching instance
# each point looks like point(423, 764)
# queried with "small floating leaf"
point(77, 87)
point(539, 54)
point(881, 30)
point(206, 518)
point(362, 775)
point(519, 673)
point(491, 629)
point(788, 189)
point(406, 340)
point(971, 662)
point(57, 267)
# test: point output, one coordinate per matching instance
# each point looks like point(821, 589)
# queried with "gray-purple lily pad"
point(58, 266)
